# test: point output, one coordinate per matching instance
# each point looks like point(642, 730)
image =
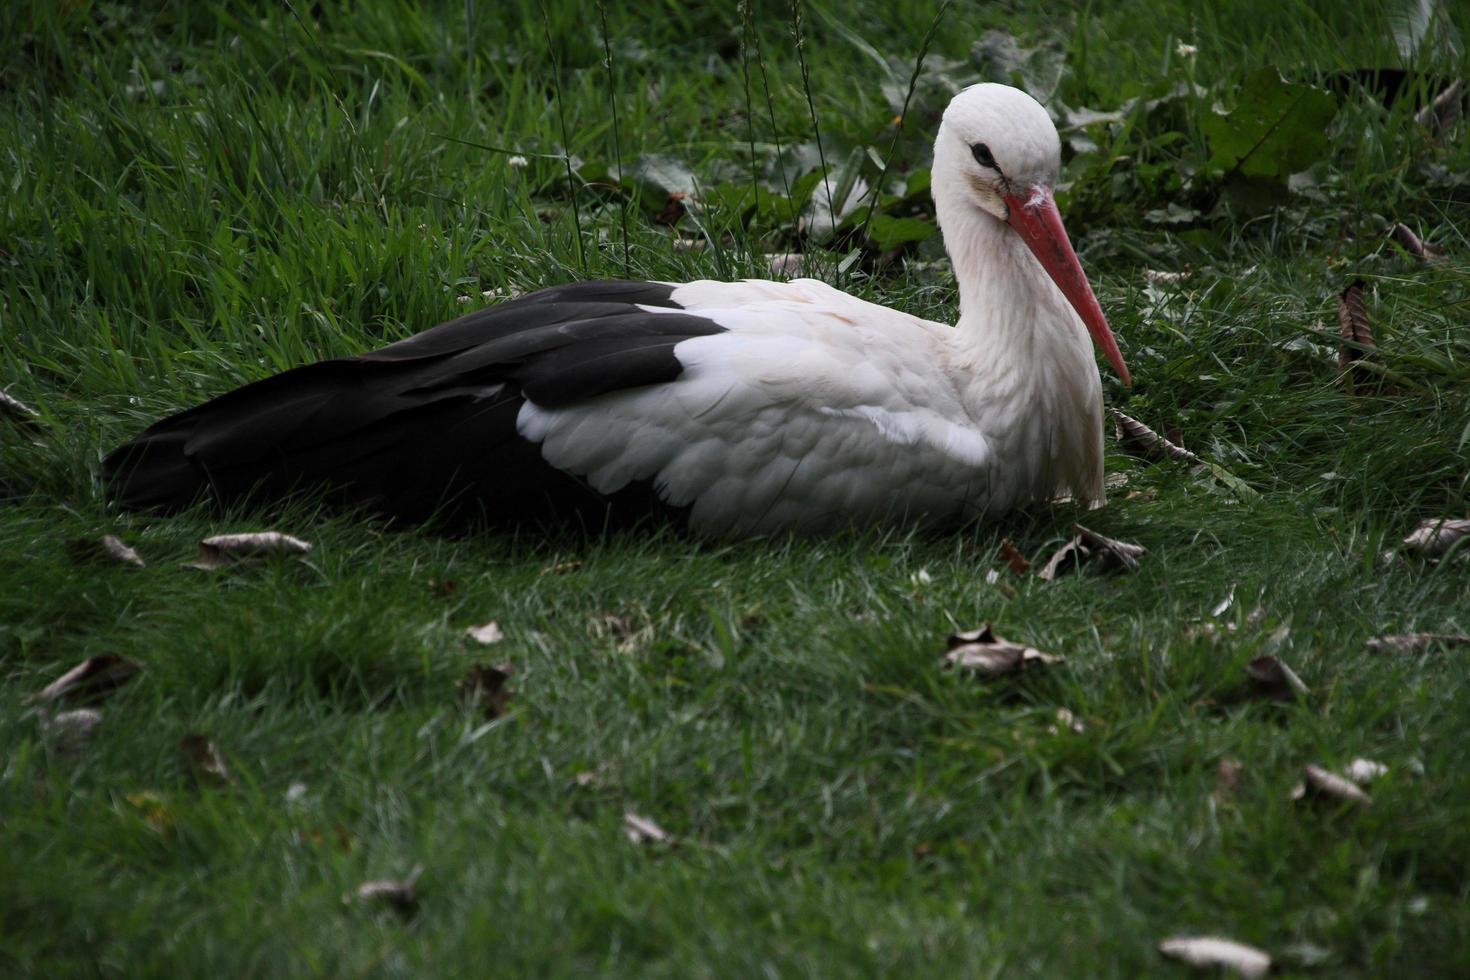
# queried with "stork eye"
point(983, 156)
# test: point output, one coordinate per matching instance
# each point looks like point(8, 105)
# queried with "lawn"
point(195, 195)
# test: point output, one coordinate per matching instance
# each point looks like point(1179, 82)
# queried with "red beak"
point(1040, 226)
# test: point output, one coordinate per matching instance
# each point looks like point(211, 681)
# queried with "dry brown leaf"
point(153, 807)
point(1416, 246)
point(982, 652)
point(108, 548)
point(1363, 771)
point(641, 830)
point(402, 896)
point(563, 567)
point(688, 244)
point(1320, 782)
point(1101, 553)
point(18, 411)
point(202, 760)
point(485, 687)
point(90, 681)
point(1162, 276)
point(1356, 333)
point(1272, 680)
point(1014, 558)
point(1207, 952)
point(1139, 439)
point(1441, 114)
point(674, 208)
point(485, 635)
point(224, 550)
point(1411, 643)
point(1432, 538)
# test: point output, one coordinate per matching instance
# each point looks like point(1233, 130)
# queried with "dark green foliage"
point(197, 195)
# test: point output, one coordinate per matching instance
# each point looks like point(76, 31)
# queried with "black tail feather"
point(423, 428)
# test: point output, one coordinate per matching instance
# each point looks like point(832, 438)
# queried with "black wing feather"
point(424, 426)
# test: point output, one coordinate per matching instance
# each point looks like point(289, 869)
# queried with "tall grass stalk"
point(612, 100)
point(903, 116)
point(566, 140)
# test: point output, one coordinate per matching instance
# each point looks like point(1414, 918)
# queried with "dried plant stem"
point(760, 60)
point(798, 32)
point(566, 149)
point(903, 114)
point(612, 99)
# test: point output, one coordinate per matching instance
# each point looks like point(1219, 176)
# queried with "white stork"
point(747, 407)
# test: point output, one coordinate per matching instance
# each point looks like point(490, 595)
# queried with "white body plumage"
point(817, 410)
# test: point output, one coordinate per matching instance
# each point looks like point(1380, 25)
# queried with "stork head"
point(998, 153)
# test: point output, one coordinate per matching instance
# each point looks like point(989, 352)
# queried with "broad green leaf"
point(1277, 128)
point(889, 232)
point(999, 57)
point(657, 176)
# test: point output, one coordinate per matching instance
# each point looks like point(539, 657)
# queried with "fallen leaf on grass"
point(1363, 771)
point(562, 567)
point(641, 830)
point(982, 652)
point(1320, 782)
point(675, 207)
point(1272, 680)
point(402, 896)
point(485, 687)
point(224, 550)
point(1443, 111)
point(1411, 643)
point(1139, 439)
point(70, 726)
point(202, 760)
point(485, 635)
point(1356, 333)
point(1434, 537)
point(108, 548)
point(153, 808)
point(90, 681)
point(1213, 951)
point(1416, 246)
point(1014, 558)
point(1101, 553)
point(18, 411)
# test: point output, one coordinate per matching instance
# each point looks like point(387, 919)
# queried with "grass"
point(843, 805)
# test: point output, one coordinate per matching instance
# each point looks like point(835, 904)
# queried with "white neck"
point(1006, 298)
point(1027, 358)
